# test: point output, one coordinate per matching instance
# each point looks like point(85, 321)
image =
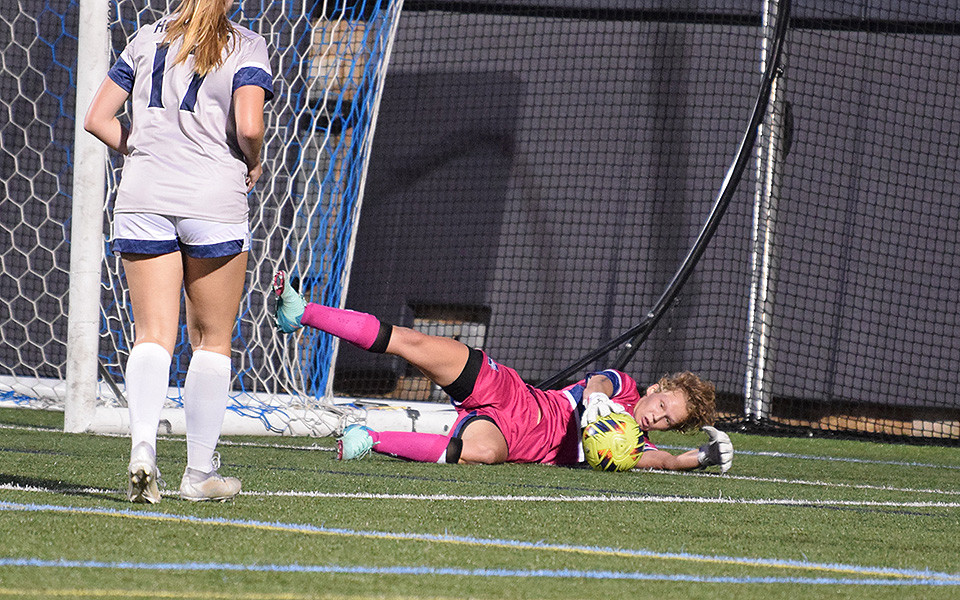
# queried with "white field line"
point(791, 455)
point(613, 498)
point(531, 498)
point(815, 483)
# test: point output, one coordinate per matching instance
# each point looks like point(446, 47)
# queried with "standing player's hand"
point(717, 451)
point(253, 174)
point(598, 405)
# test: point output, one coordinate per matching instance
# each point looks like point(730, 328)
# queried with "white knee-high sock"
point(147, 378)
point(205, 395)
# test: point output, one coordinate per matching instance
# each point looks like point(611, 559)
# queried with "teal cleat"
point(290, 305)
point(355, 443)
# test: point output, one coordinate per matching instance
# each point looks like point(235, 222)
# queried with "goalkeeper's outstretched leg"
point(440, 359)
point(445, 361)
point(500, 418)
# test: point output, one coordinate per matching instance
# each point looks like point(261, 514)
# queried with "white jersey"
point(184, 160)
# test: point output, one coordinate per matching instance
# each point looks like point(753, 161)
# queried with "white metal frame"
point(86, 232)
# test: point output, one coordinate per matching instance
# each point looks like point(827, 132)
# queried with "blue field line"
point(918, 577)
point(460, 572)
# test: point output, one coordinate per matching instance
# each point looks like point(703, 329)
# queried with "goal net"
point(329, 59)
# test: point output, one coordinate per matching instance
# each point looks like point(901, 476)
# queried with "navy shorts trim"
point(159, 247)
point(213, 250)
point(472, 416)
point(154, 247)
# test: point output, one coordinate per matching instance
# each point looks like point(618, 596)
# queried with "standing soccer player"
point(500, 418)
point(197, 83)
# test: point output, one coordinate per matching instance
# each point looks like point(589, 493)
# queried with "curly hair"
point(701, 399)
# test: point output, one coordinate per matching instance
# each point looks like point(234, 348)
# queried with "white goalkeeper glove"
point(598, 405)
point(717, 451)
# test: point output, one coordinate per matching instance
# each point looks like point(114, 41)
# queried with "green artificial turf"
point(795, 517)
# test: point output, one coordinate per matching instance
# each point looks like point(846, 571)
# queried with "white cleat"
point(198, 486)
point(143, 475)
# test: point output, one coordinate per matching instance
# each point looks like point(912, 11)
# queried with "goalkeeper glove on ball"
point(717, 451)
point(598, 405)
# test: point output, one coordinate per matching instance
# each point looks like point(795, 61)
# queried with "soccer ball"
point(613, 443)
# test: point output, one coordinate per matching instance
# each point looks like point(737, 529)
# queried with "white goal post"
point(83, 323)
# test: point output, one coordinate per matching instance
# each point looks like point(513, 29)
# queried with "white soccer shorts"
point(143, 233)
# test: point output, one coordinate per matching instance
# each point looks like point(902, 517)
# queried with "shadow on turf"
point(57, 486)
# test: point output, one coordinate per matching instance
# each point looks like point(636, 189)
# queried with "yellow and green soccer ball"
point(613, 443)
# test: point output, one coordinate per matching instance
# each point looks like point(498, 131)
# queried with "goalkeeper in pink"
point(500, 418)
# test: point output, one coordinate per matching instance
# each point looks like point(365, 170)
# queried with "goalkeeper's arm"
point(598, 385)
point(718, 451)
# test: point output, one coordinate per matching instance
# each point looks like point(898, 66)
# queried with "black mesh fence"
point(540, 171)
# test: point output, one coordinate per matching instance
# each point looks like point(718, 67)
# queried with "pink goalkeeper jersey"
point(540, 426)
point(184, 160)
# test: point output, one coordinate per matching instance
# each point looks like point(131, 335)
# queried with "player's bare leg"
point(154, 283)
point(214, 287)
point(440, 359)
point(483, 444)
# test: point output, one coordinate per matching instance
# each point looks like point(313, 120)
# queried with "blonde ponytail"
point(205, 30)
